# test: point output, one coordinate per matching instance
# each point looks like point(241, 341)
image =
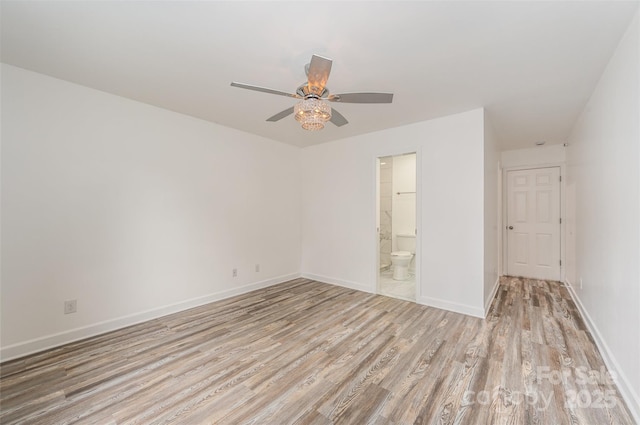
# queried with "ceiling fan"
point(312, 111)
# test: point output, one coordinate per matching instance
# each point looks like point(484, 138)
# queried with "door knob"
point(510, 227)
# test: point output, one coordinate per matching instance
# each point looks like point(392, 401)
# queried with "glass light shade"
point(312, 113)
point(312, 123)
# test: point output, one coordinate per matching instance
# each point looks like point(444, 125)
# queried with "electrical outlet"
point(257, 268)
point(235, 272)
point(70, 306)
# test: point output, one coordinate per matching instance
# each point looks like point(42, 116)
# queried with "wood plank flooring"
point(305, 352)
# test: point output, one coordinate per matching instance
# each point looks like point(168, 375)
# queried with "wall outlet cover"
point(70, 306)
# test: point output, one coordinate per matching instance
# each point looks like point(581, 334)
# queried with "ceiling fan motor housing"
point(305, 90)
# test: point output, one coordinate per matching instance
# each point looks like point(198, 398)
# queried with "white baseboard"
point(51, 341)
point(451, 306)
point(339, 282)
point(631, 398)
point(488, 301)
point(431, 302)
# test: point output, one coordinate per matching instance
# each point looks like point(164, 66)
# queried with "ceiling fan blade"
point(280, 115)
point(337, 118)
point(264, 90)
point(318, 73)
point(361, 98)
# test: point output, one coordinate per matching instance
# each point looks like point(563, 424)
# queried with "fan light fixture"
point(312, 112)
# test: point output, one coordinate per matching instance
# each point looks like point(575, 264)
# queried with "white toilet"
point(401, 259)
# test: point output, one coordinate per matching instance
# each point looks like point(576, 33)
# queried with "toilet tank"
point(406, 242)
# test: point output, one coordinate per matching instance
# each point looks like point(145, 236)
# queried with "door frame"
point(376, 208)
point(504, 210)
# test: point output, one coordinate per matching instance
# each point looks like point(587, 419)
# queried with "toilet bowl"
point(401, 259)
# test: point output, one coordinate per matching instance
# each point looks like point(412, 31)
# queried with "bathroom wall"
point(386, 191)
point(404, 196)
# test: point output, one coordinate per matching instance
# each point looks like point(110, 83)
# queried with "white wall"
point(491, 217)
point(536, 156)
point(133, 210)
point(404, 205)
point(338, 215)
point(603, 160)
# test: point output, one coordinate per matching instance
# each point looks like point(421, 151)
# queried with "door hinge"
point(560, 220)
point(560, 178)
point(561, 263)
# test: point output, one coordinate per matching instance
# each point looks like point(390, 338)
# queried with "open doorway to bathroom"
point(396, 226)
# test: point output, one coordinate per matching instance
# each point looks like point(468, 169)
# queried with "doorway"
point(533, 223)
point(396, 226)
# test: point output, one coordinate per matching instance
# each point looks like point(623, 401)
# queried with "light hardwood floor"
point(312, 353)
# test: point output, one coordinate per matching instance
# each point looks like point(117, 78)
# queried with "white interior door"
point(533, 223)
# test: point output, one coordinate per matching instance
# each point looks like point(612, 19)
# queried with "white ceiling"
point(532, 65)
